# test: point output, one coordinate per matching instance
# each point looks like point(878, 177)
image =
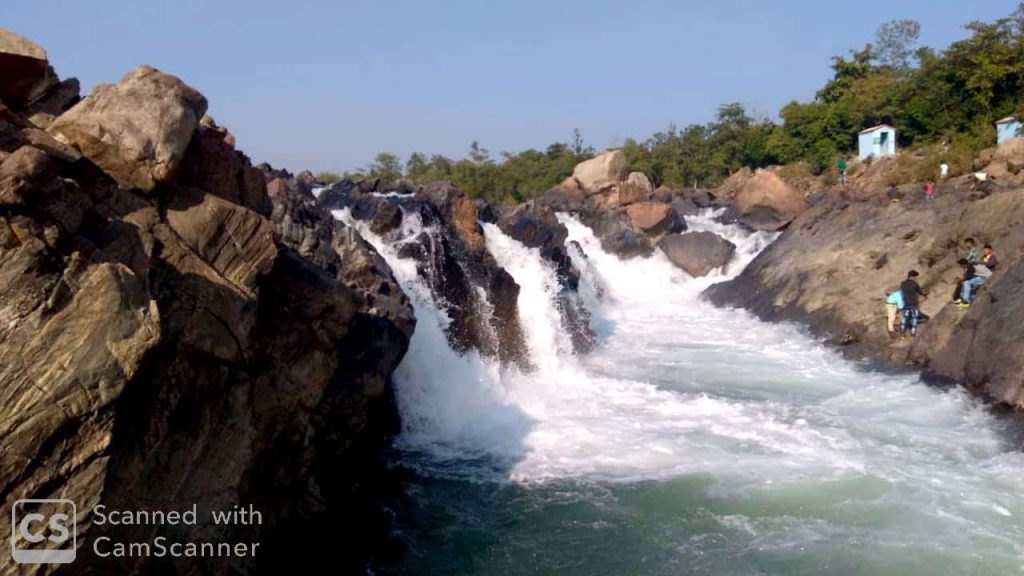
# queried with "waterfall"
point(752, 434)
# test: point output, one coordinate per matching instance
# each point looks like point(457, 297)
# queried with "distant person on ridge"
point(893, 307)
point(911, 293)
point(929, 190)
point(841, 166)
point(943, 171)
point(894, 194)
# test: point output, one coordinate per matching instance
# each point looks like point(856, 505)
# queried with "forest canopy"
point(949, 97)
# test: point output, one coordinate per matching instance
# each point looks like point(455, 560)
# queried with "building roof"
point(873, 128)
point(1006, 120)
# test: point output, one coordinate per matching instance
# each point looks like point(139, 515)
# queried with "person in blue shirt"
point(893, 306)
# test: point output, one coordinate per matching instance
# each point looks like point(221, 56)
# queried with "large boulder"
point(535, 225)
point(697, 252)
point(569, 196)
point(734, 183)
point(767, 203)
point(26, 75)
point(636, 188)
point(1007, 161)
point(685, 206)
point(617, 235)
point(602, 171)
point(137, 130)
point(655, 219)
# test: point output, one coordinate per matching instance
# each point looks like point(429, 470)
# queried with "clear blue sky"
point(326, 85)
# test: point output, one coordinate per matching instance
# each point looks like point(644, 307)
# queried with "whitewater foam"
point(786, 447)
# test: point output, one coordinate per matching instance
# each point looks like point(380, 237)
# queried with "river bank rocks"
point(837, 261)
point(171, 335)
point(632, 219)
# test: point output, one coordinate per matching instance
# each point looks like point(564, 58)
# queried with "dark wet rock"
point(685, 206)
point(479, 296)
point(617, 236)
point(536, 226)
point(697, 252)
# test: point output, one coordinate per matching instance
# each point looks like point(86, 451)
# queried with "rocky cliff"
point(836, 262)
point(171, 334)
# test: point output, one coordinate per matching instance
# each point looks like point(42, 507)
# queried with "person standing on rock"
point(943, 171)
point(929, 190)
point(893, 307)
point(911, 293)
point(841, 166)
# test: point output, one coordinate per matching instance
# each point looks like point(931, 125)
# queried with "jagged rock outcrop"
point(835, 264)
point(137, 130)
point(163, 343)
point(25, 72)
point(698, 253)
point(478, 295)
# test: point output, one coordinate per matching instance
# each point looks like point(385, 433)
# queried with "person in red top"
point(929, 190)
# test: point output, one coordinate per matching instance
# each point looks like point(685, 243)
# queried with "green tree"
point(895, 41)
point(386, 166)
point(328, 177)
point(416, 167)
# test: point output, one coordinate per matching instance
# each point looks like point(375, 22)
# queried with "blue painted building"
point(1007, 128)
point(877, 141)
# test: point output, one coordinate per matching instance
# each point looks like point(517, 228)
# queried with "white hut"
point(1007, 128)
point(877, 141)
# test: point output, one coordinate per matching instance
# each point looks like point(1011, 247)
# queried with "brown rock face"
point(767, 203)
point(137, 130)
point(164, 350)
point(636, 188)
point(602, 171)
point(24, 69)
point(836, 263)
point(654, 218)
point(464, 218)
point(212, 163)
point(697, 252)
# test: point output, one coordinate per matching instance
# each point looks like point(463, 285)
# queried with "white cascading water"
point(680, 389)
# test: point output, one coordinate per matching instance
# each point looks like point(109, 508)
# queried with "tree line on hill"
point(944, 100)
